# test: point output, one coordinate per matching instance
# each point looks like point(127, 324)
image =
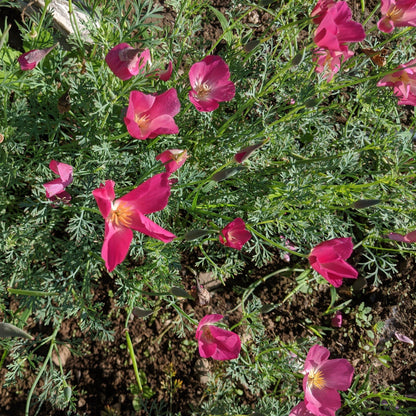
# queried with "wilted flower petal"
point(30, 59)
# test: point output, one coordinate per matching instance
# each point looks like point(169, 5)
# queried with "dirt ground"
point(102, 373)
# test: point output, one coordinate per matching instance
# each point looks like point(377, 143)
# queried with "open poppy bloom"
point(300, 410)
point(129, 213)
point(397, 13)
point(149, 116)
point(210, 82)
point(403, 82)
point(125, 62)
point(173, 159)
point(218, 343)
point(323, 377)
point(30, 59)
point(408, 238)
point(234, 234)
point(56, 189)
point(328, 259)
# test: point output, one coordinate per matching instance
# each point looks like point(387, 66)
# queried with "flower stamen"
point(202, 90)
point(121, 215)
point(316, 379)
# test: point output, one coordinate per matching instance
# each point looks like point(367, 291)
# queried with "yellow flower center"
point(316, 379)
point(202, 90)
point(121, 215)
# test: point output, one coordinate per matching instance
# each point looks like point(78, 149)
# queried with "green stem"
point(42, 18)
point(181, 312)
point(3, 357)
point(42, 369)
point(133, 359)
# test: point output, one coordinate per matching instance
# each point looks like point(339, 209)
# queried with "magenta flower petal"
point(30, 59)
point(234, 234)
point(210, 83)
point(146, 226)
point(127, 213)
point(336, 28)
point(53, 188)
point(218, 343)
point(319, 11)
point(300, 410)
point(125, 62)
point(150, 196)
point(116, 245)
point(104, 196)
point(337, 373)
point(148, 116)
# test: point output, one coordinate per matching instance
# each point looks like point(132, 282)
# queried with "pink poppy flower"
point(173, 159)
point(149, 116)
point(166, 74)
point(397, 13)
point(329, 61)
point(403, 82)
point(408, 238)
point(210, 83)
point(300, 410)
point(218, 343)
point(125, 62)
point(336, 320)
point(30, 59)
point(129, 213)
point(319, 11)
point(323, 377)
point(337, 28)
point(234, 234)
point(56, 189)
point(328, 259)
